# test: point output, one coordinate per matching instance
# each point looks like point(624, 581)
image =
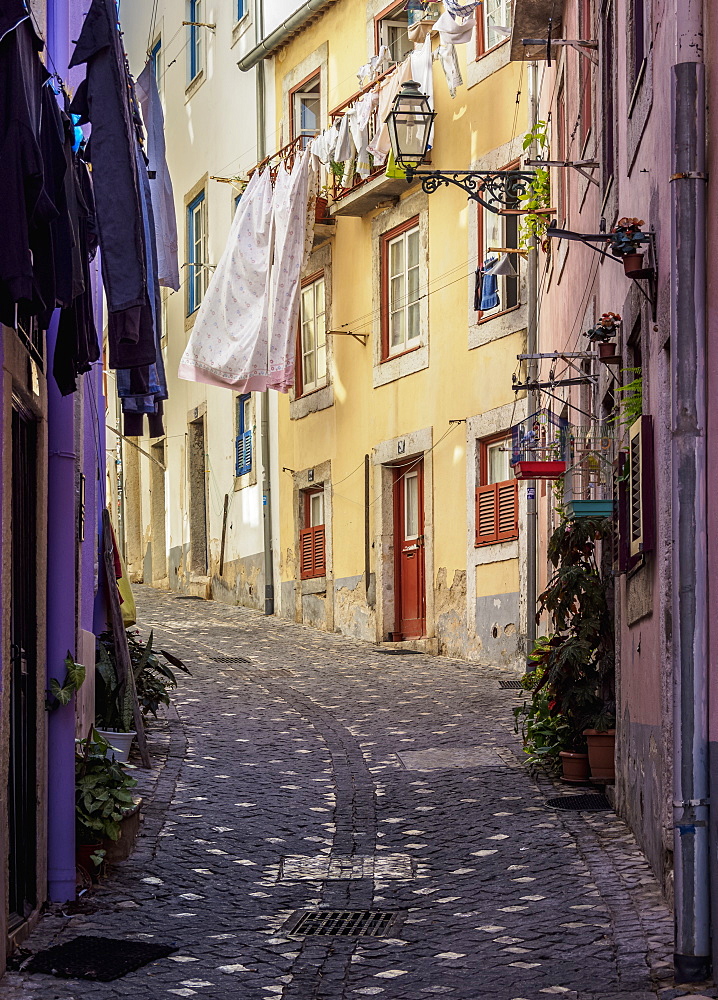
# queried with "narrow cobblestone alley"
point(308, 771)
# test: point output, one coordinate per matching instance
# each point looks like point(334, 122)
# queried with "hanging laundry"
point(422, 69)
point(453, 32)
point(228, 345)
point(450, 65)
point(380, 146)
point(163, 206)
point(489, 286)
point(461, 10)
point(365, 105)
point(325, 144)
point(345, 151)
point(104, 99)
point(360, 138)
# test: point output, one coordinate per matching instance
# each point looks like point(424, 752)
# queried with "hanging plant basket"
point(539, 470)
point(590, 508)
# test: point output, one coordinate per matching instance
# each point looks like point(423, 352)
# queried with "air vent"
point(580, 803)
point(510, 685)
point(342, 923)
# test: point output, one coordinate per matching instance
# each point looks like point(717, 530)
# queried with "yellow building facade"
point(399, 520)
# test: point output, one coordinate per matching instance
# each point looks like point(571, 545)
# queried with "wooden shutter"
point(641, 492)
point(507, 514)
point(486, 527)
point(621, 553)
point(244, 453)
point(312, 552)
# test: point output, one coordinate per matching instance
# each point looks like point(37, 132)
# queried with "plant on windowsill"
point(102, 798)
point(538, 194)
point(626, 240)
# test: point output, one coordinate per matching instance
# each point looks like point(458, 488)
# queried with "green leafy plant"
point(630, 406)
point(153, 679)
point(545, 733)
point(538, 193)
point(102, 793)
point(61, 694)
point(113, 699)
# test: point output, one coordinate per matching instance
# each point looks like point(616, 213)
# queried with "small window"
point(494, 18)
point(312, 348)
point(243, 460)
point(501, 293)
point(393, 31)
point(559, 144)
point(240, 9)
point(312, 547)
point(306, 111)
point(497, 507)
point(156, 63)
point(608, 130)
point(195, 39)
point(400, 280)
point(196, 252)
point(638, 37)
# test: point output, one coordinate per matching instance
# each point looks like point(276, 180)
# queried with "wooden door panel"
point(410, 586)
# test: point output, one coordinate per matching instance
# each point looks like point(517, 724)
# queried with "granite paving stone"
point(321, 774)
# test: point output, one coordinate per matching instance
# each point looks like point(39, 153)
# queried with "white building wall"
point(211, 131)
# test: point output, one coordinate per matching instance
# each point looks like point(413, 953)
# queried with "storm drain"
point(510, 685)
point(341, 923)
point(580, 803)
point(229, 659)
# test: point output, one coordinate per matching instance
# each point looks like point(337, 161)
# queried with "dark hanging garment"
point(105, 99)
point(24, 205)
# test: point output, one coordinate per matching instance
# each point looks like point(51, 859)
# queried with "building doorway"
point(409, 562)
point(22, 775)
point(158, 512)
point(197, 499)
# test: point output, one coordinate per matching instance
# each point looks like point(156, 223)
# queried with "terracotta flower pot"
point(320, 211)
point(632, 262)
point(601, 754)
point(83, 857)
point(575, 767)
point(607, 349)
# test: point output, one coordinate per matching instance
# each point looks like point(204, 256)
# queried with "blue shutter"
point(244, 453)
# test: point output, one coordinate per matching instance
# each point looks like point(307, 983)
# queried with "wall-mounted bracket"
point(584, 47)
point(361, 337)
point(580, 166)
point(198, 24)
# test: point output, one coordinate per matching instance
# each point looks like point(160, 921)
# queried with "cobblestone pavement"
point(317, 772)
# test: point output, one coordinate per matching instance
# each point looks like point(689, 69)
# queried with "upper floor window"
point(498, 293)
point(306, 110)
point(156, 63)
point(494, 19)
point(497, 505)
point(197, 279)
point(392, 30)
point(243, 444)
point(240, 9)
point(401, 324)
point(638, 38)
point(312, 368)
point(312, 545)
point(195, 39)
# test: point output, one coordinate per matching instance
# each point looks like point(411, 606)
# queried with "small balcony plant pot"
point(607, 349)
point(601, 754)
point(320, 210)
point(632, 263)
point(120, 744)
point(575, 767)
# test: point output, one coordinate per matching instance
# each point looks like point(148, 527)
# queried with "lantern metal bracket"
point(497, 190)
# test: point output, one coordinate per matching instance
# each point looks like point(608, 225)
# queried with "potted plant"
point(113, 702)
point(153, 679)
point(603, 333)
point(102, 797)
point(601, 742)
point(626, 240)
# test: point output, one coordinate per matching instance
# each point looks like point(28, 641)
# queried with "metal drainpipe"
point(689, 500)
point(531, 348)
point(61, 583)
point(264, 419)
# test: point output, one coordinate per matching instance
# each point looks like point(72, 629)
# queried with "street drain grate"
point(96, 958)
point(188, 597)
point(342, 923)
point(399, 652)
point(580, 803)
point(229, 659)
point(511, 685)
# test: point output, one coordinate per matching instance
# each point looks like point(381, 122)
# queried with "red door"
point(409, 589)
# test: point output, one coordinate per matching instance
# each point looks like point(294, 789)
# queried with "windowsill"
point(401, 365)
point(503, 312)
point(312, 402)
point(247, 479)
point(194, 85)
point(487, 52)
point(240, 27)
point(495, 541)
point(492, 328)
point(400, 354)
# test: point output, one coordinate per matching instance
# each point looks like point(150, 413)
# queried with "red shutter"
point(486, 528)
point(508, 509)
point(312, 552)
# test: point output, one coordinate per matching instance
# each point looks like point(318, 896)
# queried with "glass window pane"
point(307, 304)
point(414, 322)
point(319, 296)
point(397, 293)
point(316, 510)
point(498, 456)
point(321, 364)
point(321, 334)
point(308, 374)
point(412, 248)
point(396, 331)
point(396, 257)
point(411, 506)
point(413, 285)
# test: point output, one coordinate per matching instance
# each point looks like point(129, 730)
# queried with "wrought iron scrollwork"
point(496, 190)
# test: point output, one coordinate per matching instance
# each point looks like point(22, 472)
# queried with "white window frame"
point(310, 331)
point(505, 11)
point(315, 93)
point(404, 304)
point(198, 277)
point(392, 21)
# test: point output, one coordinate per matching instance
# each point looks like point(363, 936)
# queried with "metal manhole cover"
point(580, 803)
point(511, 685)
point(342, 923)
point(229, 659)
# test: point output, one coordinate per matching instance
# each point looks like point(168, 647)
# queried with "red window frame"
point(496, 504)
point(481, 49)
point(312, 541)
point(480, 317)
point(386, 238)
point(316, 74)
point(298, 373)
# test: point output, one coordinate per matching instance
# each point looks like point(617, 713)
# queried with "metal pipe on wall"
point(61, 566)
point(689, 499)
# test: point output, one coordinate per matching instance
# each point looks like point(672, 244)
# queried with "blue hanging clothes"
point(489, 286)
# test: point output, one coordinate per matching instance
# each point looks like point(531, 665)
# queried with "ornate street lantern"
point(409, 123)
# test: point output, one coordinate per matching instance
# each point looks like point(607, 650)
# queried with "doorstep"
point(427, 645)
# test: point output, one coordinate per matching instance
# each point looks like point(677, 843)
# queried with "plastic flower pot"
point(120, 744)
point(601, 754)
point(575, 767)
